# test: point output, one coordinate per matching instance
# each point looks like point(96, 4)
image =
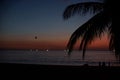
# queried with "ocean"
point(57, 57)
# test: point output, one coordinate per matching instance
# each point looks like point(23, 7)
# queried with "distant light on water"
point(57, 57)
point(47, 50)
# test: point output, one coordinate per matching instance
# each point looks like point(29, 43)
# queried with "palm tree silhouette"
point(98, 24)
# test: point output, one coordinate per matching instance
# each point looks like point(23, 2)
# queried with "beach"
point(85, 71)
point(53, 64)
point(40, 67)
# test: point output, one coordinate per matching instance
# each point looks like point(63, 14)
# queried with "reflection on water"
point(57, 57)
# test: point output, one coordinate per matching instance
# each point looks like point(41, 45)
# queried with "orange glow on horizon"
point(97, 44)
point(52, 43)
point(33, 44)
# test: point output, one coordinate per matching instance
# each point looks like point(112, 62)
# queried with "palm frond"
point(111, 43)
point(112, 37)
point(90, 30)
point(82, 8)
point(75, 36)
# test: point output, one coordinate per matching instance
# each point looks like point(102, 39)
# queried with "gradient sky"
point(22, 20)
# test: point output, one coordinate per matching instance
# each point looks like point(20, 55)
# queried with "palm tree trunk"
point(117, 43)
point(116, 27)
point(117, 39)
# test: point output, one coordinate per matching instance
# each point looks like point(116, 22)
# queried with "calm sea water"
point(56, 57)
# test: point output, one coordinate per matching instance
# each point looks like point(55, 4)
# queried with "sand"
point(86, 72)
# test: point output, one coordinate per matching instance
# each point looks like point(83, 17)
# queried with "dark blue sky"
point(34, 16)
point(24, 19)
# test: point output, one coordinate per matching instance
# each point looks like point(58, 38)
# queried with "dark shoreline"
point(60, 71)
point(40, 67)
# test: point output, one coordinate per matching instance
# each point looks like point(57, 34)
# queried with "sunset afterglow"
point(22, 20)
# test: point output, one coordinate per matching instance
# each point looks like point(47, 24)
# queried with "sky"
point(22, 20)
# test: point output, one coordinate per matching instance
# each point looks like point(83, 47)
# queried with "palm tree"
point(98, 24)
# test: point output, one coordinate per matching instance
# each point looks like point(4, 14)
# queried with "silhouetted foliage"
point(98, 24)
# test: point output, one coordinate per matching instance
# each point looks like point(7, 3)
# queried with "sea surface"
point(57, 57)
